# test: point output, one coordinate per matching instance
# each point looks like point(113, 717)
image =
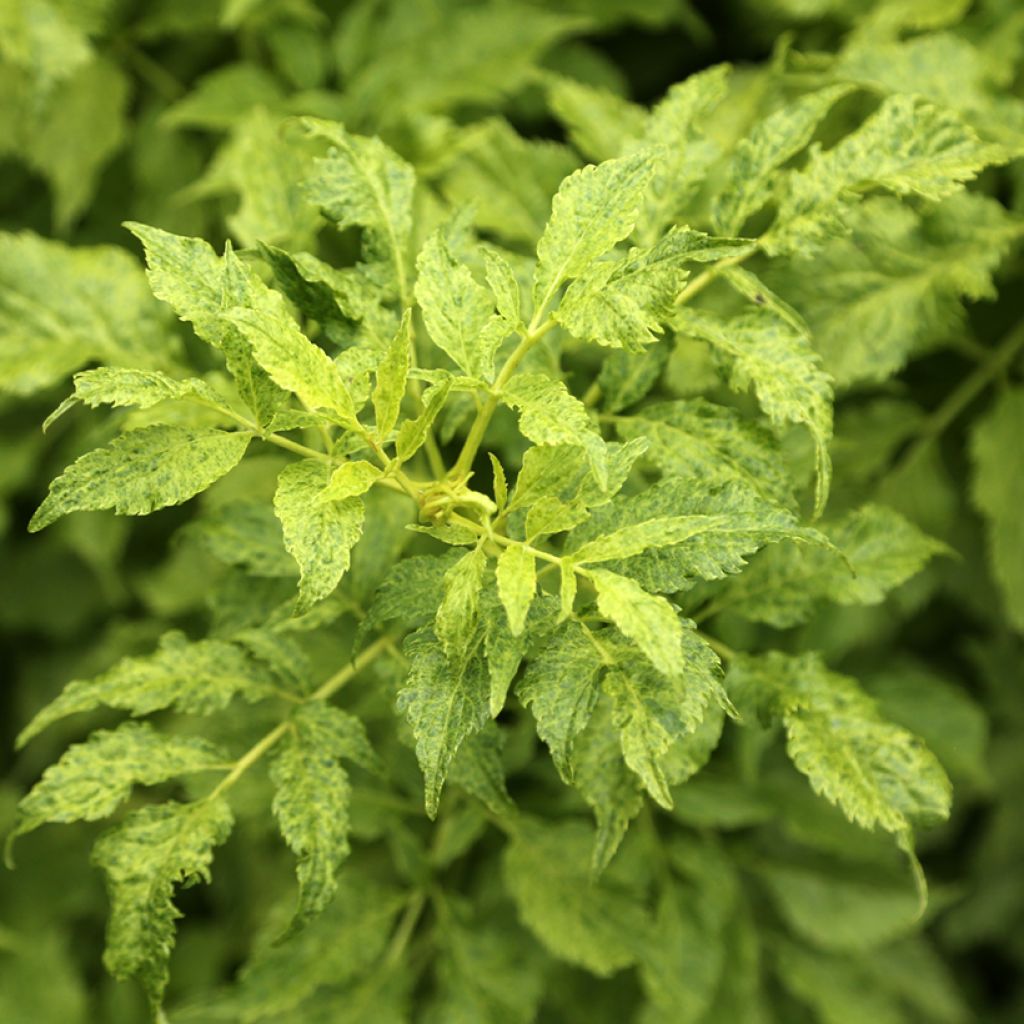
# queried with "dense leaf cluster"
point(583, 577)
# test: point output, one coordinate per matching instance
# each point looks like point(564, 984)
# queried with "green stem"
point(957, 401)
point(702, 280)
point(327, 689)
point(483, 418)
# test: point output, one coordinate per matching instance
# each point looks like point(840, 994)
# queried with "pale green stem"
point(483, 418)
point(323, 692)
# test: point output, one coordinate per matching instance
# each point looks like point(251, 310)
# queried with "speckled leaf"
point(311, 798)
point(444, 705)
point(456, 309)
point(318, 534)
point(698, 439)
point(144, 858)
point(784, 371)
point(141, 471)
point(560, 689)
point(392, 378)
point(648, 620)
point(549, 415)
point(517, 581)
point(93, 778)
point(593, 209)
point(877, 773)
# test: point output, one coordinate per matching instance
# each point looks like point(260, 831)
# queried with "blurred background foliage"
point(174, 113)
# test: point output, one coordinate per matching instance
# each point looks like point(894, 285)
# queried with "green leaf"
point(689, 959)
point(261, 166)
point(144, 858)
point(598, 121)
point(784, 371)
point(603, 780)
point(455, 623)
point(907, 146)
point(50, 324)
point(341, 945)
point(749, 175)
point(560, 689)
point(311, 798)
point(648, 620)
point(504, 287)
point(895, 287)
point(506, 179)
point(683, 151)
point(362, 183)
point(445, 704)
point(835, 911)
point(93, 778)
point(120, 387)
point(517, 582)
point(319, 534)
point(550, 415)
point(290, 359)
point(392, 379)
point(876, 550)
point(141, 471)
point(699, 440)
point(718, 527)
point(941, 712)
point(997, 493)
point(194, 677)
point(200, 286)
point(456, 309)
point(430, 60)
point(594, 926)
point(593, 209)
point(350, 480)
point(76, 133)
point(652, 710)
point(877, 773)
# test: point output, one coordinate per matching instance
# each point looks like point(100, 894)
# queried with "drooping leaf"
point(907, 146)
point(144, 858)
point(559, 687)
point(876, 550)
point(93, 778)
point(773, 141)
point(311, 798)
point(877, 773)
point(997, 493)
point(444, 703)
point(700, 440)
